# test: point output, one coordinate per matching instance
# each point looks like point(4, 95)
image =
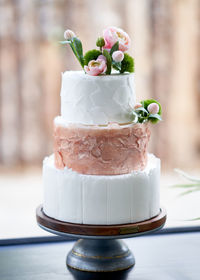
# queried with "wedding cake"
point(101, 172)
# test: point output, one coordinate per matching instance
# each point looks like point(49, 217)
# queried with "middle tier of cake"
point(100, 150)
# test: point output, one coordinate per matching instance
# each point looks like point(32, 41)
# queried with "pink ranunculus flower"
point(153, 108)
point(118, 56)
point(113, 34)
point(96, 67)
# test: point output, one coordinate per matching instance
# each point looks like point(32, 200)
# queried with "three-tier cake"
point(101, 172)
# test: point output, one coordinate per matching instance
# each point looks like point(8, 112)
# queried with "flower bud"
point(153, 108)
point(69, 34)
point(100, 42)
point(118, 56)
point(137, 105)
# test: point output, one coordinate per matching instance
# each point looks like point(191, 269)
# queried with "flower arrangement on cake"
point(112, 55)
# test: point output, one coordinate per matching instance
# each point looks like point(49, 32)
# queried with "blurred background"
point(166, 46)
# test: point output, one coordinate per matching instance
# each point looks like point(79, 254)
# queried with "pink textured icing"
point(110, 150)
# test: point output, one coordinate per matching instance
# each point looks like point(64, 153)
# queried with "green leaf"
point(134, 117)
point(114, 48)
point(74, 51)
point(78, 46)
point(116, 65)
point(186, 186)
point(141, 119)
point(195, 219)
point(91, 55)
point(189, 191)
point(142, 109)
point(72, 47)
point(65, 42)
point(154, 118)
point(187, 176)
point(145, 104)
point(78, 49)
point(109, 61)
point(142, 114)
point(127, 64)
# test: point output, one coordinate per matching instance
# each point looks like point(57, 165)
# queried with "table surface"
point(171, 256)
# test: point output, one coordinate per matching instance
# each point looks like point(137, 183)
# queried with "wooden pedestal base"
point(98, 249)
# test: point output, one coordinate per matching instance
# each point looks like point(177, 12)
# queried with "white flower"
point(118, 56)
point(69, 34)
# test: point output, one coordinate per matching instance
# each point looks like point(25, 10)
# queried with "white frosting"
point(90, 199)
point(97, 99)
point(60, 121)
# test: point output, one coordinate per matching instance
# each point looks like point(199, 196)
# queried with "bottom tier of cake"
point(91, 199)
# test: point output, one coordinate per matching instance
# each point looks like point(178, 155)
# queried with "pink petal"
point(102, 57)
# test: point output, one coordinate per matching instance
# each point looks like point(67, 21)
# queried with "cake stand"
point(99, 248)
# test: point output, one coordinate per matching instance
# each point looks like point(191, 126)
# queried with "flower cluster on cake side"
point(112, 55)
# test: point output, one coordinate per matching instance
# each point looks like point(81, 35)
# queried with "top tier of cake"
point(97, 100)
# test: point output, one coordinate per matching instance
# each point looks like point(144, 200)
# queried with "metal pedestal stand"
point(99, 248)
